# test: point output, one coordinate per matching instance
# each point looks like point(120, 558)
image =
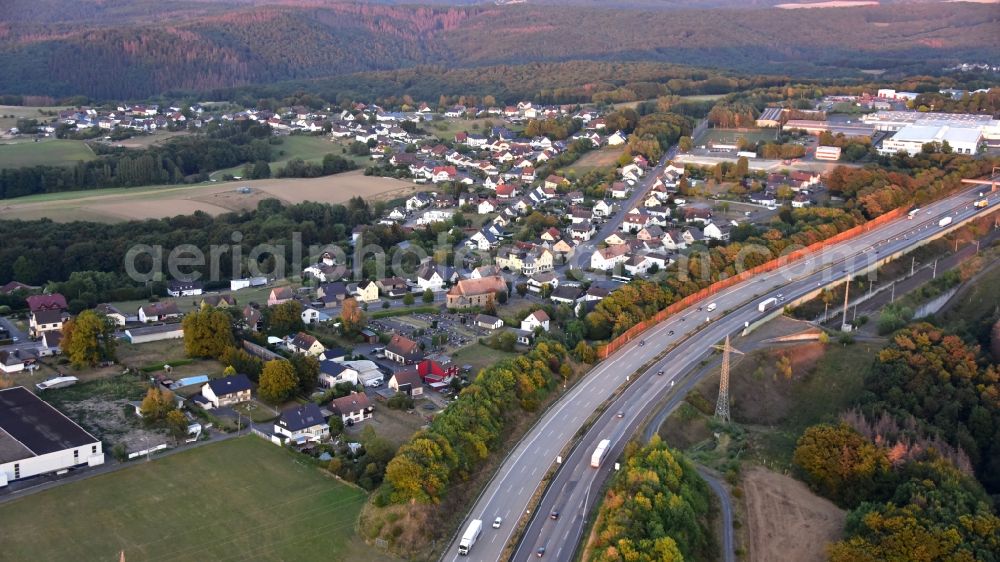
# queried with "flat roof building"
point(37, 439)
point(912, 138)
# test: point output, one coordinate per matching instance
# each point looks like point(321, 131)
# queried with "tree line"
point(85, 260)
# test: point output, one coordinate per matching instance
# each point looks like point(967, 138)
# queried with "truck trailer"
point(944, 222)
point(470, 536)
point(599, 453)
point(766, 304)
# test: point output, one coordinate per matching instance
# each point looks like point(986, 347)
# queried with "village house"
point(184, 288)
point(333, 294)
point(252, 318)
point(158, 311)
point(307, 344)
point(429, 276)
point(408, 382)
point(582, 231)
point(535, 320)
point(566, 294)
point(111, 313)
point(367, 291)
point(353, 408)
point(280, 295)
point(403, 350)
point(606, 259)
point(227, 391)
point(302, 424)
point(393, 287)
point(537, 282)
point(333, 372)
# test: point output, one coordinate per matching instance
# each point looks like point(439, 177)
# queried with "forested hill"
point(139, 49)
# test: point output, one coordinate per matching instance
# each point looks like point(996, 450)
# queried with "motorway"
point(686, 338)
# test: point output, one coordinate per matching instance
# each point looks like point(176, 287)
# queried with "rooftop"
point(30, 427)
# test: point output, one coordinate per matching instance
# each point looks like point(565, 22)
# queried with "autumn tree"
point(88, 339)
point(277, 381)
point(157, 404)
point(208, 333)
point(585, 352)
point(841, 464)
point(352, 318)
point(284, 318)
point(176, 423)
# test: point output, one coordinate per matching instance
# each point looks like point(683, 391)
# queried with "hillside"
point(132, 50)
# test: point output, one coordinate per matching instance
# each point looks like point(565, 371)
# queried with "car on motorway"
point(620, 414)
point(540, 552)
point(554, 515)
point(497, 522)
point(670, 333)
point(660, 372)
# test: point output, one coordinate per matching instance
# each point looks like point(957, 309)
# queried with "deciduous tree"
point(277, 381)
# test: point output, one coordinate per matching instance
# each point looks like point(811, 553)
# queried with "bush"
point(400, 402)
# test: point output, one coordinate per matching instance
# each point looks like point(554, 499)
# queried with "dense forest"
point(206, 49)
point(906, 461)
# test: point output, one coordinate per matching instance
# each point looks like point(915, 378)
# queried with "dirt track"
point(786, 521)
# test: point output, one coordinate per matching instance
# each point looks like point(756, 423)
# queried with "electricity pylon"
point(722, 406)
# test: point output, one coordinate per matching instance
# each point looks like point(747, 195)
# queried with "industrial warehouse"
point(37, 439)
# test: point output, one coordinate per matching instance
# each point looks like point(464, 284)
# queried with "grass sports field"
point(242, 499)
point(731, 136)
point(52, 152)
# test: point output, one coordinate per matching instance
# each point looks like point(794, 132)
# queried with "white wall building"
point(912, 138)
point(36, 439)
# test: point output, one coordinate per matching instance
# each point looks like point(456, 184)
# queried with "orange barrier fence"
point(628, 335)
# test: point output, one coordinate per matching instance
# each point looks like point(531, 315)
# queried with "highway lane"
point(511, 489)
point(576, 487)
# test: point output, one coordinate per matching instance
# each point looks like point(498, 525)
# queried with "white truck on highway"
point(767, 303)
point(599, 453)
point(944, 222)
point(470, 536)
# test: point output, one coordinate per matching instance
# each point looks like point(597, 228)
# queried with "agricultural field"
point(240, 499)
point(9, 114)
point(215, 198)
point(732, 136)
point(307, 147)
point(51, 152)
point(446, 129)
point(600, 158)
